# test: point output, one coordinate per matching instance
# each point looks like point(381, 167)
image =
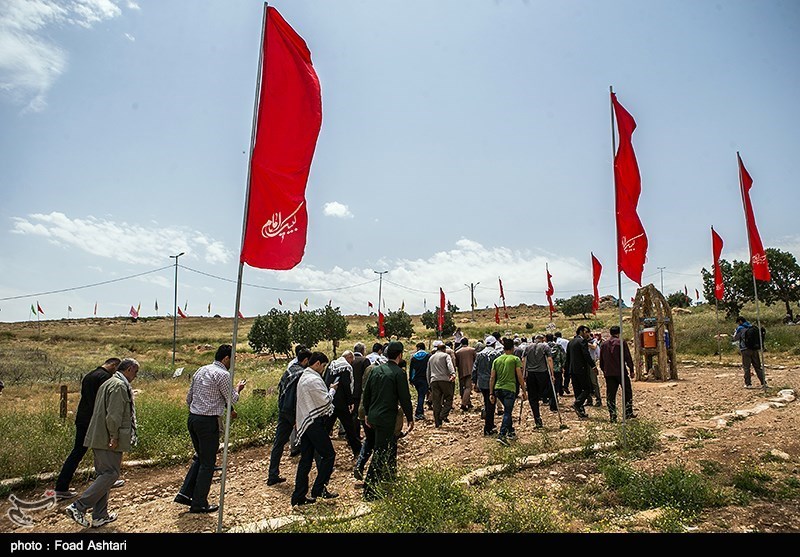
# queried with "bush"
point(430, 320)
point(306, 327)
point(529, 516)
point(271, 332)
point(578, 304)
point(752, 480)
point(639, 437)
point(397, 323)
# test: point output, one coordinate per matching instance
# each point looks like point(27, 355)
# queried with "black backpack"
point(751, 340)
point(288, 402)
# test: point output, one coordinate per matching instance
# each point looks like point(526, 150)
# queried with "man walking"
point(465, 358)
point(90, 384)
point(481, 373)
point(594, 351)
point(610, 365)
point(441, 375)
point(558, 363)
point(579, 362)
point(208, 397)
point(538, 365)
point(340, 371)
point(749, 339)
point(563, 343)
point(418, 376)
point(385, 390)
point(360, 363)
point(506, 375)
point(111, 431)
point(287, 404)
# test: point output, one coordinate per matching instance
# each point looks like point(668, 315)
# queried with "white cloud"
point(133, 5)
point(30, 62)
point(130, 37)
point(120, 241)
point(336, 209)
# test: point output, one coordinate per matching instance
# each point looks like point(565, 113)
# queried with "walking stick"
point(561, 423)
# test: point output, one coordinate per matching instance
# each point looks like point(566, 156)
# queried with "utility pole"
point(471, 287)
point(662, 278)
point(175, 309)
point(380, 285)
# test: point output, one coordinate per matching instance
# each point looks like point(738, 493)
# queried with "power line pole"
point(662, 278)
point(175, 309)
point(471, 287)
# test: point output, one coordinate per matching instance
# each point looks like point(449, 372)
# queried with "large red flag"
point(440, 322)
point(496, 314)
point(716, 242)
point(597, 268)
point(631, 237)
point(288, 123)
point(758, 258)
point(381, 330)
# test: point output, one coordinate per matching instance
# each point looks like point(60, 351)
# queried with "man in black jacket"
point(360, 363)
point(579, 362)
point(90, 384)
point(341, 370)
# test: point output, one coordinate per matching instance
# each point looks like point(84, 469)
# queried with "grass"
point(639, 437)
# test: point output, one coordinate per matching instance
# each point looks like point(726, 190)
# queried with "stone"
point(779, 454)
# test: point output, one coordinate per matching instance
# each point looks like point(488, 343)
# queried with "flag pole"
point(755, 286)
point(719, 347)
point(619, 274)
point(239, 278)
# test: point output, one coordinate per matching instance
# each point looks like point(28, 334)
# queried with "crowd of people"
point(368, 394)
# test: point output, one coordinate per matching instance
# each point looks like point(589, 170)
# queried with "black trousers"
point(204, 431)
point(283, 430)
point(582, 387)
point(346, 419)
point(383, 466)
point(539, 387)
point(73, 460)
point(489, 408)
point(612, 386)
point(315, 439)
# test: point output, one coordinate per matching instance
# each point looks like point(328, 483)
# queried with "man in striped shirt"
point(209, 394)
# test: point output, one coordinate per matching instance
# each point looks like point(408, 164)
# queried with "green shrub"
point(528, 516)
point(752, 480)
point(672, 520)
point(639, 436)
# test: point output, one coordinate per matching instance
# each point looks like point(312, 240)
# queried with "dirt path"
point(145, 504)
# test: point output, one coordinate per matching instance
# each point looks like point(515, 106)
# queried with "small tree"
point(431, 321)
point(578, 304)
point(307, 327)
point(784, 285)
point(394, 323)
point(334, 326)
point(679, 299)
point(737, 279)
point(271, 332)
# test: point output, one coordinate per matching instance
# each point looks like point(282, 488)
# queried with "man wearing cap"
point(386, 387)
point(441, 375)
point(481, 373)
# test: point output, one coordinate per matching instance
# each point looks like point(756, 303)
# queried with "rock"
point(779, 454)
point(581, 477)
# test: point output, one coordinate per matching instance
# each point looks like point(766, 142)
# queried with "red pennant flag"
point(758, 258)
point(502, 295)
point(633, 300)
point(631, 237)
point(288, 123)
point(369, 304)
point(240, 315)
point(685, 291)
point(180, 312)
point(441, 309)
point(496, 314)
point(696, 294)
point(716, 242)
point(280, 303)
point(549, 292)
point(133, 313)
point(95, 308)
point(597, 269)
point(381, 330)
point(39, 308)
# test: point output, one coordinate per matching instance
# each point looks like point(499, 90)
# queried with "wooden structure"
point(650, 309)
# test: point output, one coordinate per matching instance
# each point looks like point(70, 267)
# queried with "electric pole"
point(662, 278)
point(175, 309)
point(471, 287)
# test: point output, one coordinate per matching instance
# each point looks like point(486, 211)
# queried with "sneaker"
point(278, 480)
point(305, 501)
point(503, 441)
point(539, 425)
point(63, 495)
point(358, 473)
point(490, 433)
point(580, 411)
point(98, 522)
point(419, 418)
point(327, 494)
point(511, 435)
point(76, 515)
point(118, 483)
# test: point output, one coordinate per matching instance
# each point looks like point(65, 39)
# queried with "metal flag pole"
point(619, 276)
point(239, 279)
point(755, 286)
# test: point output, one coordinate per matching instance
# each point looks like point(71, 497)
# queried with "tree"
point(785, 284)
point(737, 277)
point(431, 321)
point(679, 299)
point(578, 304)
point(394, 323)
point(334, 326)
point(307, 327)
point(271, 332)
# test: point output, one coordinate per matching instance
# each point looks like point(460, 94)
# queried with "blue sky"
point(461, 141)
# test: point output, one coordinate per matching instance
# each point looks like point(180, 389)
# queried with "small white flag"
point(178, 372)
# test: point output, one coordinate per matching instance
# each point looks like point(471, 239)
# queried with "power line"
point(423, 291)
point(276, 288)
point(84, 286)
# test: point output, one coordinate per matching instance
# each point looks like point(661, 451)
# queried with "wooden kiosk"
point(653, 336)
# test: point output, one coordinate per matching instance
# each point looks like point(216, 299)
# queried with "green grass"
point(753, 480)
point(525, 515)
point(34, 442)
point(639, 437)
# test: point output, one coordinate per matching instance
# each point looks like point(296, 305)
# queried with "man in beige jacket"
point(111, 432)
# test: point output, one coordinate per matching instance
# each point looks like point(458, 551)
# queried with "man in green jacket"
point(385, 389)
point(112, 431)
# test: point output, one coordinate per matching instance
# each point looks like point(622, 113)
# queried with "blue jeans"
point(422, 391)
point(507, 399)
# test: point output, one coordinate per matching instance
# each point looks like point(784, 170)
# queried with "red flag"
point(40, 310)
point(441, 309)
point(502, 296)
point(685, 291)
point(381, 330)
point(279, 302)
point(496, 314)
point(370, 304)
point(716, 242)
point(133, 312)
point(240, 315)
point(696, 294)
point(631, 237)
point(549, 292)
point(758, 258)
point(95, 308)
point(633, 300)
point(597, 269)
point(180, 312)
point(288, 123)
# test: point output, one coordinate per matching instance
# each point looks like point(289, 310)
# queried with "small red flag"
point(716, 242)
point(280, 303)
point(441, 309)
point(597, 269)
point(381, 330)
point(549, 291)
point(696, 294)
point(758, 258)
point(133, 312)
point(631, 237)
point(240, 315)
point(288, 122)
point(496, 314)
point(180, 312)
point(369, 304)
point(95, 308)
point(685, 291)
point(502, 296)
point(40, 310)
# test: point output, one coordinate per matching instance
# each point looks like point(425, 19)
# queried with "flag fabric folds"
point(440, 321)
point(240, 315)
point(133, 313)
point(288, 123)
point(69, 308)
point(180, 312)
point(95, 308)
point(280, 303)
point(597, 269)
point(758, 257)
point(139, 308)
point(503, 298)
point(33, 309)
point(631, 236)
point(306, 302)
point(716, 244)
point(696, 294)
point(209, 307)
point(156, 305)
point(369, 304)
point(381, 330)
point(39, 308)
point(496, 314)
point(403, 305)
point(549, 292)
point(186, 305)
